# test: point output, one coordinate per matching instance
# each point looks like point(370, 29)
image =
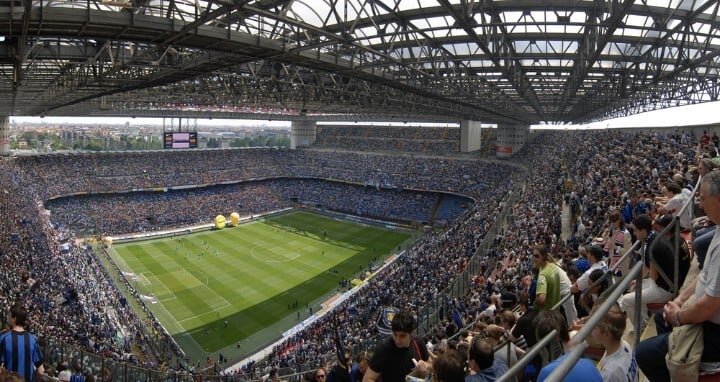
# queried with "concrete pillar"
point(4, 135)
point(510, 139)
point(470, 136)
point(302, 133)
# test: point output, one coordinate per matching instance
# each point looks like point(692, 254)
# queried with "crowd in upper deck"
point(412, 139)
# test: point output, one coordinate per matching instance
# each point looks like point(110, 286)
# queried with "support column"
point(4, 135)
point(302, 133)
point(510, 139)
point(470, 136)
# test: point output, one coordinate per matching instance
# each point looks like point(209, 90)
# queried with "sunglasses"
point(320, 375)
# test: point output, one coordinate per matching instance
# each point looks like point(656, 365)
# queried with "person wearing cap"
point(594, 257)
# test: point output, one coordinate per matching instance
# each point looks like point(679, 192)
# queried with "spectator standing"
point(399, 355)
point(340, 372)
point(617, 242)
point(547, 293)
point(19, 350)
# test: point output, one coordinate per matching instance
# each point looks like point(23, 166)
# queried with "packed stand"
point(69, 294)
point(36, 179)
point(412, 139)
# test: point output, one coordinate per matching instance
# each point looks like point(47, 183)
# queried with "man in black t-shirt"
point(399, 355)
point(654, 288)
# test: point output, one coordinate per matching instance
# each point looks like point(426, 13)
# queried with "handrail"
point(675, 224)
point(598, 281)
point(528, 357)
point(567, 364)
point(466, 327)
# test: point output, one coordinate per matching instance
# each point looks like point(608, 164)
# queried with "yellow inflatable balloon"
point(220, 222)
point(234, 218)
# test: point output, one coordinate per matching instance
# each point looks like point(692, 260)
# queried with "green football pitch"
point(214, 289)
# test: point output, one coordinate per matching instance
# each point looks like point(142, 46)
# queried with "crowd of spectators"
point(69, 294)
point(141, 211)
point(424, 140)
point(63, 174)
point(35, 252)
point(405, 205)
point(604, 174)
point(618, 164)
point(110, 214)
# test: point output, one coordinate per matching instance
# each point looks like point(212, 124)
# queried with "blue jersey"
point(21, 353)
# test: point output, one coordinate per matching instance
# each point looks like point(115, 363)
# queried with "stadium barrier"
point(138, 236)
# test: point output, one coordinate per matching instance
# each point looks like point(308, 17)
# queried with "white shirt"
point(709, 281)
point(620, 366)
point(584, 281)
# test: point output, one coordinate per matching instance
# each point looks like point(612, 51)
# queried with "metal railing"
point(579, 339)
point(614, 293)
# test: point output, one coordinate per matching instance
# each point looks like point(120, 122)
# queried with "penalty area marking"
point(275, 258)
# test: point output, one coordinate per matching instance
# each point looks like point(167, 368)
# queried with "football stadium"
point(240, 281)
point(421, 223)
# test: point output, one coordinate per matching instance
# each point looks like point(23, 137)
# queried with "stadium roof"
point(502, 61)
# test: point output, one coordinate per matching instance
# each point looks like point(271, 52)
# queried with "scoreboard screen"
point(186, 140)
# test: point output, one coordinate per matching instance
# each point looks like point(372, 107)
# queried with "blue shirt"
point(583, 371)
point(20, 352)
point(490, 374)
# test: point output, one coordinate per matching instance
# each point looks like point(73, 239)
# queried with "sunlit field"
point(215, 288)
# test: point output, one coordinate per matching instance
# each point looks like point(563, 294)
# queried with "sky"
point(676, 116)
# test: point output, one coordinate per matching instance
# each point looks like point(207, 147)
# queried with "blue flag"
point(457, 318)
